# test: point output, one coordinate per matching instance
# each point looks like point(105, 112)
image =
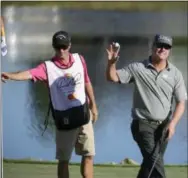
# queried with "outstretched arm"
point(18, 76)
point(36, 74)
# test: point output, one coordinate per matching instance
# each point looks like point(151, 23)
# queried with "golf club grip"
point(164, 137)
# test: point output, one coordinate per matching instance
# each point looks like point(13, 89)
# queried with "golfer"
point(156, 83)
point(69, 87)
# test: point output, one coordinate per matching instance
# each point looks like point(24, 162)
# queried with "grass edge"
point(27, 161)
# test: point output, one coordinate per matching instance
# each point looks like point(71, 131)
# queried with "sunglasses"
point(64, 47)
point(162, 45)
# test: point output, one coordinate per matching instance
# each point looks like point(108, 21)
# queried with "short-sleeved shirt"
point(39, 73)
point(153, 91)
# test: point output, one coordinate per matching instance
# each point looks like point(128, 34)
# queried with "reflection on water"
point(25, 106)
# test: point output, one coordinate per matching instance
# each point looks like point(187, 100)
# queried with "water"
point(25, 106)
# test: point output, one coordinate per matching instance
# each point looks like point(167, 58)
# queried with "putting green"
point(23, 170)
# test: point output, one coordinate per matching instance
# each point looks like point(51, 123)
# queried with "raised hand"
point(113, 52)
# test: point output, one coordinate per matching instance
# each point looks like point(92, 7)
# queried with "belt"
point(157, 122)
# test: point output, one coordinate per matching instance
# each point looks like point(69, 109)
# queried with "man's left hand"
point(94, 113)
point(171, 130)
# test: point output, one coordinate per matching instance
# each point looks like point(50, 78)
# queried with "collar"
point(59, 60)
point(148, 63)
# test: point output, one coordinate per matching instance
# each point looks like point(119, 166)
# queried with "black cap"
point(158, 39)
point(61, 39)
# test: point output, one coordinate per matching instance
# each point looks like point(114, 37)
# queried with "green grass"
point(23, 169)
point(126, 5)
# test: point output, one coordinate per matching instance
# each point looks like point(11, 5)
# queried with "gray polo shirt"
point(153, 91)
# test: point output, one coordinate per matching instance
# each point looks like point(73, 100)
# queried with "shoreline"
point(120, 6)
point(35, 161)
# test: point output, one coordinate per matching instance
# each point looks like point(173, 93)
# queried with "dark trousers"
point(148, 135)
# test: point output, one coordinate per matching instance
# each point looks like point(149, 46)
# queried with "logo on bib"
point(68, 83)
point(72, 96)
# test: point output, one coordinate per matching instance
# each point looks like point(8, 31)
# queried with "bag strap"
point(49, 108)
point(47, 118)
